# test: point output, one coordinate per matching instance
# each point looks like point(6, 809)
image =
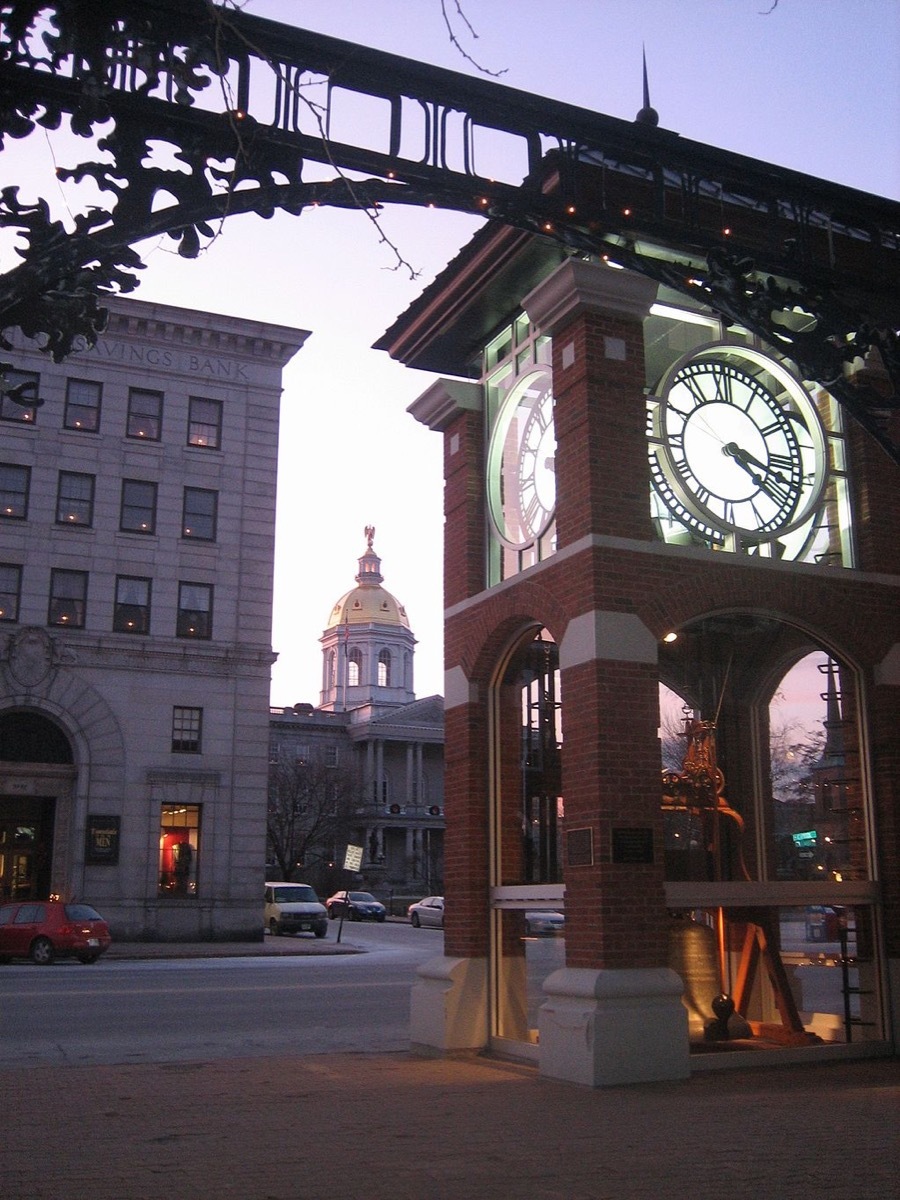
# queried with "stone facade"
point(139, 568)
point(370, 753)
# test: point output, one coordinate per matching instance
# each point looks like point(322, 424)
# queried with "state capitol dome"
point(369, 603)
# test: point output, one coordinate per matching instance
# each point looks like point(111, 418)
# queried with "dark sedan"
point(355, 906)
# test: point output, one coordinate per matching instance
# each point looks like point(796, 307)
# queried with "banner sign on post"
point(353, 858)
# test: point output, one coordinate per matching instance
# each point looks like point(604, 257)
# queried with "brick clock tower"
point(649, 512)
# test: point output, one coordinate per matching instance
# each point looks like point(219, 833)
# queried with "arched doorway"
point(35, 765)
point(527, 911)
point(769, 864)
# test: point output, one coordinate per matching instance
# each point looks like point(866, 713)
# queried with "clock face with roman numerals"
point(736, 445)
point(521, 480)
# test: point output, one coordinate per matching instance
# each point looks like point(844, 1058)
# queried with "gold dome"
point(369, 603)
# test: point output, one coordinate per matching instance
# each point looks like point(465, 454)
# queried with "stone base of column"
point(448, 1006)
point(606, 1027)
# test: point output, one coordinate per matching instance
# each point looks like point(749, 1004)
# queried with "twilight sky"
point(812, 84)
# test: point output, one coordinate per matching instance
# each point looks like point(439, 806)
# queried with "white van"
point(294, 908)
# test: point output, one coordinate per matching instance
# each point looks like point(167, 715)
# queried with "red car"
point(42, 929)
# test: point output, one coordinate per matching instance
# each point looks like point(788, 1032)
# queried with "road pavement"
point(395, 1126)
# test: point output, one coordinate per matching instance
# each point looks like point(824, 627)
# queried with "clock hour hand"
point(748, 461)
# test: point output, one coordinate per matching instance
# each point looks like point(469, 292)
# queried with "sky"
point(813, 85)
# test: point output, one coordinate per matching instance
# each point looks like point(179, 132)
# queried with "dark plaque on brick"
point(632, 845)
point(580, 847)
point(101, 839)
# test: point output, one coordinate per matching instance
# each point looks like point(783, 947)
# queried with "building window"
point(187, 730)
point(144, 415)
point(194, 610)
point(200, 513)
point(138, 513)
point(330, 756)
point(10, 591)
point(82, 405)
point(179, 849)
point(68, 598)
point(75, 499)
point(384, 668)
point(205, 423)
point(132, 608)
point(354, 664)
point(14, 485)
point(19, 395)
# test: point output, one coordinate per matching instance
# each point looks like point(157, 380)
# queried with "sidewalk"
point(398, 1127)
point(268, 946)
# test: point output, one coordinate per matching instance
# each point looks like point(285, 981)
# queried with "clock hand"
point(746, 460)
point(773, 483)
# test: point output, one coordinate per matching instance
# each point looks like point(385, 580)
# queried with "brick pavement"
point(398, 1127)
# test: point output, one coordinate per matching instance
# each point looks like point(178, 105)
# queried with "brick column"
point(614, 1013)
point(884, 718)
point(595, 316)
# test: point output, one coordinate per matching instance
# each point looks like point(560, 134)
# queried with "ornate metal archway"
point(248, 107)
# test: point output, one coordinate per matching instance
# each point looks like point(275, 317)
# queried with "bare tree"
point(310, 813)
point(794, 751)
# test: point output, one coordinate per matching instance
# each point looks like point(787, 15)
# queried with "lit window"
point(187, 729)
point(384, 668)
point(194, 610)
point(354, 665)
point(205, 423)
point(82, 405)
point(68, 598)
point(179, 849)
point(144, 415)
point(138, 512)
point(75, 499)
point(14, 485)
point(19, 396)
point(132, 608)
point(199, 514)
point(10, 591)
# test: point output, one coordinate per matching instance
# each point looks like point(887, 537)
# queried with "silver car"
point(542, 922)
point(429, 911)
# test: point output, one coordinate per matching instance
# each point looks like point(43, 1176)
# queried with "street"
point(180, 1010)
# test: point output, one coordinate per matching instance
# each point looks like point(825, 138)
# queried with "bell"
point(693, 955)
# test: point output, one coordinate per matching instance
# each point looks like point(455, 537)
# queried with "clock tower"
point(645, 499)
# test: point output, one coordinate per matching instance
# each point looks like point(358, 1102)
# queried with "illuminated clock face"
point(736, 445)
point(521, 480)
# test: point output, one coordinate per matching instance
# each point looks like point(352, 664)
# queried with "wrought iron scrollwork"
point(245, 106)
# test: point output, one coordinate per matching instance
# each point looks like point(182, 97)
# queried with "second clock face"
point(736, 444)
point(521, 479)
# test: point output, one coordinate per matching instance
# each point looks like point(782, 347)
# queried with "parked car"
point(545, 922)
point(429, 911)
point(294, 908)
point(43, 930)
point(355, 906)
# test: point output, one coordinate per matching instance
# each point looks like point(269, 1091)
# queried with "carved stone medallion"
point(30, 653)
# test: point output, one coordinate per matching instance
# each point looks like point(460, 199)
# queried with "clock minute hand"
point(772, 482)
